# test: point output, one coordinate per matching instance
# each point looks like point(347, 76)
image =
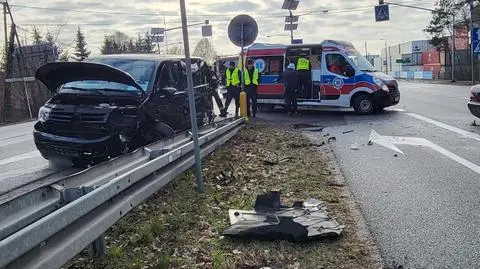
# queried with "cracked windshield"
point(243, 134)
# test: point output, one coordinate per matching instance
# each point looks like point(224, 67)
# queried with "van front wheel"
point(364, 104)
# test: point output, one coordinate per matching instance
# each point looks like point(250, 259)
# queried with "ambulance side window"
point(337, 64)
point(273, 66)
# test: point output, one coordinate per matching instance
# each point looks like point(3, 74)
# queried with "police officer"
point(251, 85)
point(290, 80)
point(304, 76)
point(232, 79)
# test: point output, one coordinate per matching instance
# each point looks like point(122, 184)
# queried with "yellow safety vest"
point(233, 79)
point(247, 77)
point(303, 64)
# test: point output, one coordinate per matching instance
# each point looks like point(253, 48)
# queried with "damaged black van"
point(114, 104)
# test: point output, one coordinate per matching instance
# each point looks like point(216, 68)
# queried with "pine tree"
point(107, 47)
point(147, 46)
point(37, 36)
point(81, 52)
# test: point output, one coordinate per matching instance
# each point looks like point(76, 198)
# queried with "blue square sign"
point(475, 44)
point(382, 13)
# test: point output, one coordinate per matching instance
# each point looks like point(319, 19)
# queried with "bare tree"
point(206, 50)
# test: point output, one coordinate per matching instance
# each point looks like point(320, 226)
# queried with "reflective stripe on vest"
point(303, 64)
point(247, 77)
point(233, 79)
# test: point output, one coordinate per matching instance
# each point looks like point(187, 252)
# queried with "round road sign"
point(243, 26)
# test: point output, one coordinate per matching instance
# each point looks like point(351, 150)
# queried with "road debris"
point(354, 146)
point(226, 177)
point(303, 221)
point(294, 145)
point(347, 132)
point(277, 161)
point(370, 143)
point(332, 140)
point(474, 123)
point(308, 127)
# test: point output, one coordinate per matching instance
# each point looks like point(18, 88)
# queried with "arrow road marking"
point(446, 126)
point(391, 141)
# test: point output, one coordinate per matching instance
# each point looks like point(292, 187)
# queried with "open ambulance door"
point(314, 54)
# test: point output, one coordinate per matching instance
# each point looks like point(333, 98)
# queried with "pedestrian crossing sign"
point(382, 13)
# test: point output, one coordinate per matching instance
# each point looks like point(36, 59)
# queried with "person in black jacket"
point(290, 80)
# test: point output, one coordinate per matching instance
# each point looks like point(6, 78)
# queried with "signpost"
point(242, 31)
point(191, 98)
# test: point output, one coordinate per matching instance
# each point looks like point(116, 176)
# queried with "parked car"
point(474, 104)
point(114, 104)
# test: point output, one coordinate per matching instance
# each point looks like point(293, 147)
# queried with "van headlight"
point(380, 84)
point(43, 114)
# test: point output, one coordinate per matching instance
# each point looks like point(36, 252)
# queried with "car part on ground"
point(303, 221)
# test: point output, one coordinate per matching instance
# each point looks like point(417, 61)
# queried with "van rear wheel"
point(364, 104)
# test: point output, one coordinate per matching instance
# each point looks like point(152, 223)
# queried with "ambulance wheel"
point(364, 104)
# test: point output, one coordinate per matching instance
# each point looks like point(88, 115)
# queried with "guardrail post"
point(98, 248)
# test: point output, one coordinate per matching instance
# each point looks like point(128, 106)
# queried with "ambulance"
point(340, 77)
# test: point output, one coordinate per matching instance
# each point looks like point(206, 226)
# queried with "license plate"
point(397, 98)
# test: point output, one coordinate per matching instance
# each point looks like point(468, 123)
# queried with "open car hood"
point(54, 75)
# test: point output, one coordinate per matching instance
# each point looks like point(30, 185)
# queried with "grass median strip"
point(177, 228)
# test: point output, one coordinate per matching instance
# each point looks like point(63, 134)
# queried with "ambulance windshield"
point(359, 60)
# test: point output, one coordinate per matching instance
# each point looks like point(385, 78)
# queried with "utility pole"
point(165, 27)
point(472, 66)
point(5, 26)
point(366, 50)
point(291, 26)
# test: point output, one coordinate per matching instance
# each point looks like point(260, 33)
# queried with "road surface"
point(418, 184)
point(422, 206)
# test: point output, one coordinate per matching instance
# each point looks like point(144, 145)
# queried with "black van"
point(114, 104)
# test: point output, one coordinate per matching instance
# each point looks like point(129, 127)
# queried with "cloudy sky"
point(351, 20)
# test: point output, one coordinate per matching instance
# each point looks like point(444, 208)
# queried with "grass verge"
point(177, 228)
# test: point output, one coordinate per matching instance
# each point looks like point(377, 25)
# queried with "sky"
point(351, 20)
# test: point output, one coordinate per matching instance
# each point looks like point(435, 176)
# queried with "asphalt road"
point(422, 205)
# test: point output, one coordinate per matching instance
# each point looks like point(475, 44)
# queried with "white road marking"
point(15, 140)
point(396, 109)
point(446, 126)
point(28, 155)
point(22, 171)
point(391, 141)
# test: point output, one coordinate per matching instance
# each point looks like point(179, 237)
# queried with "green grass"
point(178, 228)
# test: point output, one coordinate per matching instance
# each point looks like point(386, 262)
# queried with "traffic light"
point(381, 2)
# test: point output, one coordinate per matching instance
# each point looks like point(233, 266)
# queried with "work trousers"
point(251, 91)
point(305, 84)
point(233, 92)
point(291, 100)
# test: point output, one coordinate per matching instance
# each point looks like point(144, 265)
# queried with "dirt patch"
point(179, 229)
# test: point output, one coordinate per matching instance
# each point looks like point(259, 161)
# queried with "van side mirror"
point(349, 71)
point(168, 91)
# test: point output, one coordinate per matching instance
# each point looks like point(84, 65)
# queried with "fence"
point(22, 96)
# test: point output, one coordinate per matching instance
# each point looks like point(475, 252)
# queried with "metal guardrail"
point(93, 200)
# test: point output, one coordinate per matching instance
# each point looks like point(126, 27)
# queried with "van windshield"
point(360, 61)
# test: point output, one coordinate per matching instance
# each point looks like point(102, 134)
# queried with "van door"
point(338, 76)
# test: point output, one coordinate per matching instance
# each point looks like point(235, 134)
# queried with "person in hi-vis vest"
point(251, 84)
point(304, 76)
point(232, 79)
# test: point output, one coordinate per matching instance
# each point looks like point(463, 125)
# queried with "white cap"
point(291, 66)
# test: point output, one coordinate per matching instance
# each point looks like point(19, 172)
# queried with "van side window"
point(337, 64)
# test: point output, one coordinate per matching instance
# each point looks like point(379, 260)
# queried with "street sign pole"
point(243, 59)
point(191, 98)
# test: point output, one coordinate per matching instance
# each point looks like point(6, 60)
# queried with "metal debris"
point(332, 139)
point(303, 221)
point(346, 132)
